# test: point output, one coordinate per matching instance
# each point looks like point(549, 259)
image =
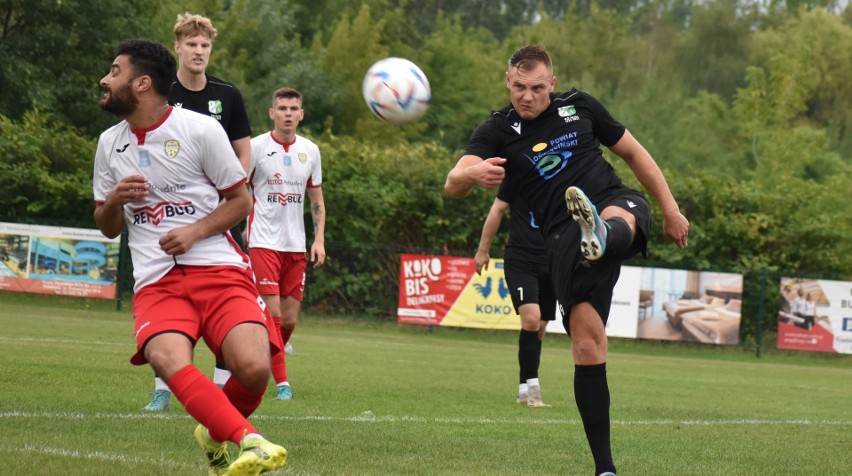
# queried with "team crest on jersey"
point(303, 157)
point(215, 106)
point(172, 147)
point(566, 111)
point(287, 160)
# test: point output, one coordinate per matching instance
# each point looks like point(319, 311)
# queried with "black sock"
point(618, 238)
point(592, 395)
point(529, 353)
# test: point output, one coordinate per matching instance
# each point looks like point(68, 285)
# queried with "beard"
point(120, 101)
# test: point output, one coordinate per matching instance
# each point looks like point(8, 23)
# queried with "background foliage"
point(744, 104)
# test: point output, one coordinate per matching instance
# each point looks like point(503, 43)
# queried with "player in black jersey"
point(198, 91)
point(527, 277)
point(548, 143)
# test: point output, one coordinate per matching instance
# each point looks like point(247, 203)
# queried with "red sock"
point(279, 365)
point(242, 398)
point(286, 334)
point(206, 402)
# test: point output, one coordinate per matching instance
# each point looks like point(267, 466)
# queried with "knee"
point(165, 364)
point(253, 375)
point(589, 350)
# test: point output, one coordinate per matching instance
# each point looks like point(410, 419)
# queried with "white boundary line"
point(369, 417)
point(99, 456)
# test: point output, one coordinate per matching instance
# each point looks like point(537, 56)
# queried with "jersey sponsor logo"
point(214, 106)
point(569, 113)
point(271, 153)
point(517, 127)
point(303, 157)
point(123, 148)
point(549, 158)
point(156, 214)
point(631, 204)
point(178, 187)
point(566, 111)
point(533, 224)
point(275, 179)
point(172, 147)
point(144, 159)
point(284, 198)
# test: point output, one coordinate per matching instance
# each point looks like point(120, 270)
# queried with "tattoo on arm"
point(316, 212)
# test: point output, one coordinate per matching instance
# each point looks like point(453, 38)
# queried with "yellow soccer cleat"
point(218, 458)
point(257, 456)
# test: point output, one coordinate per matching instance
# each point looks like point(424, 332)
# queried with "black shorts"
point(528, 281)
point(576, 280)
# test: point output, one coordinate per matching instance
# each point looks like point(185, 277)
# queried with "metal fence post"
point(122, 268)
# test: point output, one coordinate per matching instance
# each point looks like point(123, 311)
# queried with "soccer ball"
point(396, 90)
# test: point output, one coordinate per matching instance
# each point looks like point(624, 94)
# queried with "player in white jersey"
point(159, 173)
point(284, 166)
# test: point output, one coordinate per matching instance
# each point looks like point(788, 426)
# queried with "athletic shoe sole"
point(592, 228)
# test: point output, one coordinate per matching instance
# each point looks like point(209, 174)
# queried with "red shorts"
point(279, 273)
point(198, 301)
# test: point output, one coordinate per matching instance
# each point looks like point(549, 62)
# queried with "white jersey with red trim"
point(279, 175)
point(187, 158)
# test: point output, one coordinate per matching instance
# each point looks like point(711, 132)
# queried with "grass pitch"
point(375, 398)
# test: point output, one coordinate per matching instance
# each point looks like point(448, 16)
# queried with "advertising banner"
point(649, 303)
point(57, 260)
point(446, 291)
point(815, 315)
point(691, 306)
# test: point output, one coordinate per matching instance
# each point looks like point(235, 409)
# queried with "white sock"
point(282, 384)
point(160, 384)
point(250, 436)
point(532, 381)
point(221, 376)
point(522, 389)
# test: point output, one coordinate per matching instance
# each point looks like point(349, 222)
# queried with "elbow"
point(453, 192)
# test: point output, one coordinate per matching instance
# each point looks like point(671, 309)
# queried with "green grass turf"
point(379, 398)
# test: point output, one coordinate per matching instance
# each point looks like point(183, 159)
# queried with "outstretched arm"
point(489, 229)
point(675, 225)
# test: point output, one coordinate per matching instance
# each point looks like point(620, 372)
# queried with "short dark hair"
point(526, 57)
point(150, 58)
point(286, 93)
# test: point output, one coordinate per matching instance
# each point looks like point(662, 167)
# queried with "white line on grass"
point(369, 417)
point(42, 340)
point(96, 455)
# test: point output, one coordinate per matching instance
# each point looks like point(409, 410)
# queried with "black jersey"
point(557, 149)
point(220, 100)
point(524, 231)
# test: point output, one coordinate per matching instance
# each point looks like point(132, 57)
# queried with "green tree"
point(45, 171)
point(466, 79)
point(53, 53)
point(712, 54)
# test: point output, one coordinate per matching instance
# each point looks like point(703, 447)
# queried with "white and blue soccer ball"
point(396, 90)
